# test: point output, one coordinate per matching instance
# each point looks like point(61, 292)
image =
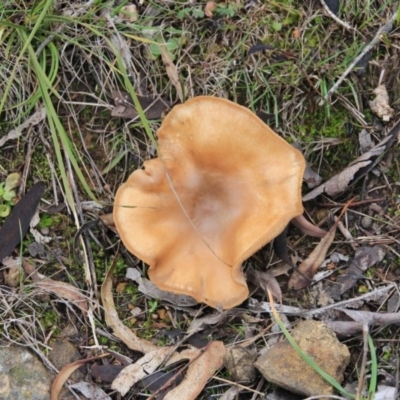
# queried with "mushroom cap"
point(223, 185)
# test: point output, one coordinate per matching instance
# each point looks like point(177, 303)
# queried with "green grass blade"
point(27, 42)
point(57, 128)
point(332, 381)
point(374, 369)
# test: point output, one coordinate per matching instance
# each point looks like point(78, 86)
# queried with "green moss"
point(320, 125)
point(47, 220)
point(49, 319)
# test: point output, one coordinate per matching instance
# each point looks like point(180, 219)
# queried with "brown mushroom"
point(223, 185)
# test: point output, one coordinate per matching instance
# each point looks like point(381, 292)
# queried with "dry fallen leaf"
point(364, 258)
point(304, 274)
point(266, 281)
point(310, 266)
point(356, 169)
point(172, 72)
point(199, 372)
point(380, 105)
point(61, 289)
point(140, 369)
point(148, 364)
point(113, 321)
point(65, 373)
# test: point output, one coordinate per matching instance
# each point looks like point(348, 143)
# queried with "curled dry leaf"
point(61, 289)
point(113, 321)
point(148, 364)
point(172, 72)
point(380, 105)
point(143, 367)
point(199, 372)
point(266, 281)
point(310, 266)
point(358, 168)
point(65, 373)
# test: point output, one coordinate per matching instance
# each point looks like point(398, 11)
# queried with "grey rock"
point(239, 363)
point(366, 222)
point(22, 375)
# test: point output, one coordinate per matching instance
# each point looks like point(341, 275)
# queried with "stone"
point(239, 363)
point(22, 375)
point(63, 353)
point(282, 366)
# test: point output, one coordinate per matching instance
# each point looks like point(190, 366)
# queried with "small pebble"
point(45, 231)
point(366, 222)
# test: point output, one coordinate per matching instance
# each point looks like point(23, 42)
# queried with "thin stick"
point(335, 18)
point(384, 29)
point(238, 385)
point(354, 204)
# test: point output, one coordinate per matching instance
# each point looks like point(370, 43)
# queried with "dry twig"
point(384, 29)
point(336, 18)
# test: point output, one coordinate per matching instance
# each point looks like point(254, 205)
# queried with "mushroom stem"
point(307, 227)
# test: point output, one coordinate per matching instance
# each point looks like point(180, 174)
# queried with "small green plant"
point(229, 10)
point(195, 12)
point(153, 304)
point(7, 193)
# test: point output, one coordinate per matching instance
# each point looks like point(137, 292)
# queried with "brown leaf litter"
point(358, 168)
